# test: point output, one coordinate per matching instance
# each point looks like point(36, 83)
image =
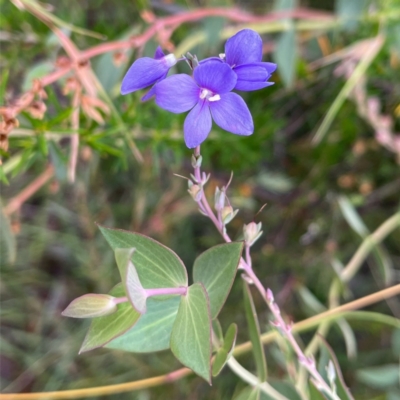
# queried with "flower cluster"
point(208, 93)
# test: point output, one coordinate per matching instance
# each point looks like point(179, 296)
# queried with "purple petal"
point(231, 113)
point(246, 86)
point(215, 76)
point(159, 53)
point(243, 48)
point(177, 94)
point(149, 94)
point(206, 60)
point(253, 76)
point(142, 73)
point(197, 125)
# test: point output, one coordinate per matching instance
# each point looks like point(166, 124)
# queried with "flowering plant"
point(154, 307)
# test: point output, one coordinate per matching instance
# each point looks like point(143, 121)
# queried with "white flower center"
point(209, 95)
point(170, 60)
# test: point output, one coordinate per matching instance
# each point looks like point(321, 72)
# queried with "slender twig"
point(367, 245)
point(73, 158)
point(16, 202)
point(181, 373)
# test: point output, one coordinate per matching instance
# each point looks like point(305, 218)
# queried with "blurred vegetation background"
point(324, 159)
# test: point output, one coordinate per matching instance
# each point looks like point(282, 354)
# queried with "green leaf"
point(157, 266)
point(103, 329)
point(284, 388)
point(153, 330)
point(357, 224)
point(248, 393)
point(341, 387)
point(108, 71)
point(254, 333)
point(285, 54)
point(381, 377)
point(8, 244)
point(90, 305)
point(216, 270)
point(59, 161)
point(349, 11)
point(191, 333)
point(217, 329)
point(130, 279)
point(225, 351)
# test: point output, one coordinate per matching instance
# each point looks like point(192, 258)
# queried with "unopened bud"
point(330, 369)
point(219, 198)
point(270, 296)
point(195, 191)
point(228, 214)
point(252, 232)
point(196, 161)
point(90, 305)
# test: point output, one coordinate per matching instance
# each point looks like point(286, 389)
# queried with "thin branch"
point(16, 202)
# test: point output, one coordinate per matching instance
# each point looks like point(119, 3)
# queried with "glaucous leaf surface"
point(103, 329)
point(191, 333)
point(216, 270)
point(254, 333)
point(153, 331)
point(157, 266)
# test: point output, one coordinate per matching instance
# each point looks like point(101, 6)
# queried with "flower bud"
point(219, 198)
point(252, 232)
point(195, 191)
point(196, 161)
point(228, 214)
point(90, 305)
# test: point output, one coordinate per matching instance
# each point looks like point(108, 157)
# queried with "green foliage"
point(254, 333)
point(153, 330)
point(103, 329)
point(216, 270)
point(225, 351)
point(157, 266)
point(191, 333)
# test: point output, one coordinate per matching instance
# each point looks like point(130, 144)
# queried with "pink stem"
point(267, 295)
point(165, 291)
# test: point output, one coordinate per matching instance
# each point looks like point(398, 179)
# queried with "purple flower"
point(147, 71)
point(208, 97)
point(243, 52)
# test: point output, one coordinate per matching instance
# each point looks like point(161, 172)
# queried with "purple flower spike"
point(208, 97)
point(243, 52)
point(147, 71)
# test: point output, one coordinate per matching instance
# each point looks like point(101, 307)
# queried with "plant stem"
point(253, 380)
point(285, 329)
point(165, 291)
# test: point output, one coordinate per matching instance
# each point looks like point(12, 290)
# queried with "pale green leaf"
point(156, 265)
point(254, 333)
point(224, 353)
point(191, 333)
point(153, 330)
point(248, 393)
point(130, 279)
point(103, 329)
point(90, 305)
point(341, 387)
point(381, 377)
point(216, 270)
